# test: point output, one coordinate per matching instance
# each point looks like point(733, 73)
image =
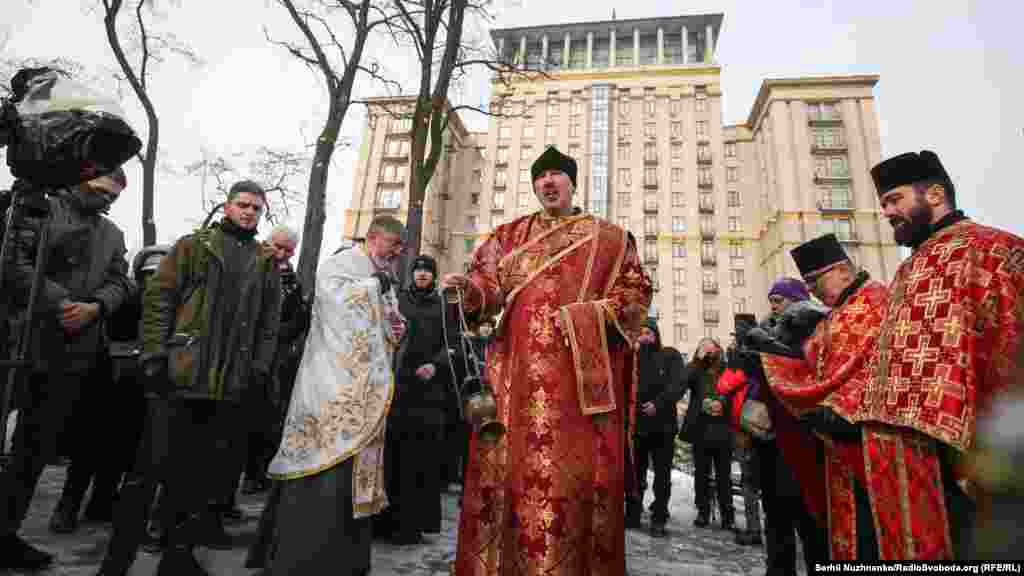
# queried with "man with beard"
point(658, 391)
point(706, 428)
point(824, 387)
point(331, 460)
point(85, 282)
point(547, 497)
point(946, 353)
point(414, 449)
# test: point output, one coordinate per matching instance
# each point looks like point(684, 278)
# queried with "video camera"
point(59, 133)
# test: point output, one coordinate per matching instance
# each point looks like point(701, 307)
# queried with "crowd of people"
point(854, 408)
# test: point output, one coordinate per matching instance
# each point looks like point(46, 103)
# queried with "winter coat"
point(700, 427)
point(186, 300)
point(85, 263)
point(419, 402)
point(660, 382)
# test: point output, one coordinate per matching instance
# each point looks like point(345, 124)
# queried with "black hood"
point(422, 262)
point(653, 325)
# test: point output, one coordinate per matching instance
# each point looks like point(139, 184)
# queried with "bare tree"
point(276, 169)
point(151, 47)
point(435, 29)
point(338, 62)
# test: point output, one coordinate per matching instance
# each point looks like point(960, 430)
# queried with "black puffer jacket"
point(660, 381)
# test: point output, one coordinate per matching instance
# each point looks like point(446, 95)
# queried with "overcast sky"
point(950, 81)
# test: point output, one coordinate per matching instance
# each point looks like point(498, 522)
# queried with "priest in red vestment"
point(548, 496)
point(824, 387)
point(946, 352)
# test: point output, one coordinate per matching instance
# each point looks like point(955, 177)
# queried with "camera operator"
point(85, 282)
point(790, 468)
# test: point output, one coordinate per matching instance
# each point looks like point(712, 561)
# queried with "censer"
point(480, 409)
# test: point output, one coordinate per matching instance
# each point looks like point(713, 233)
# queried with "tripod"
point(16, 366)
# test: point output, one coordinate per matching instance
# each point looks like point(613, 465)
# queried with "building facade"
point(714, 209)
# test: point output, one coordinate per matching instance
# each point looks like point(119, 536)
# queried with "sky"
point(950, 81)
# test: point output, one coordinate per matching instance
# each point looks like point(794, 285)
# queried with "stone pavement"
point(687, 550)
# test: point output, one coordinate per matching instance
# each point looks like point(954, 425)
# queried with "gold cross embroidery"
point(932, 298)
point(950, 327)
point(919, 356)
point(946, 250)
point(905, 328)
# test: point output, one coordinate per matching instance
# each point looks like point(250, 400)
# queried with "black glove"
point(385, 281)
point(799, 321)
point(759, 340)
point(156, 377)
point(825, 421)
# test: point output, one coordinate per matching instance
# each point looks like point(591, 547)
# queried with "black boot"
point(65, 516)
point(702, 520)
point(178, 560)
point(129, 528)
point(16, 554)
point(658, 529)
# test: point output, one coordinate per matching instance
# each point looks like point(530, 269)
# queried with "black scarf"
point(234, 230)
point(944, 222)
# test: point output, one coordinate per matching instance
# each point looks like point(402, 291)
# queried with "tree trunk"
point(316, 202)
point(418, 180)
point(149, 182)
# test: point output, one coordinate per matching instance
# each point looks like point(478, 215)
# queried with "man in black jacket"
point(658, 390)
point(416, 421)
point(86, 280)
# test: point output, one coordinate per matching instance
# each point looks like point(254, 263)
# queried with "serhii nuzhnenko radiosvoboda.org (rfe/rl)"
point(952, 567)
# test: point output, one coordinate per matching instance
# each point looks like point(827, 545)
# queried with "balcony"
point(711, 316)
point(710, 287)
point(651, 160)
point(824, 177)
point(828, 148)
point(835, 205)
point(704, 157)
point(705, 183)
point(708, 260)
point(707, 232)
point(651, 206)
point(651, 259)
point(707, 206)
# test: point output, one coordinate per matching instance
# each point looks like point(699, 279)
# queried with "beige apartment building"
point(714, 209)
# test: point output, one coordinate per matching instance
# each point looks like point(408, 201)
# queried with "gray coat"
point(85, 263)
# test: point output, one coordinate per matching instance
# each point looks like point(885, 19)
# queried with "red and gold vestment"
point(548, 497)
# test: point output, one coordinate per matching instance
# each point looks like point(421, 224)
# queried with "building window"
point(823, 111)
point(678, 224)
point(625, 178)
point(703, 153)
point(708, 280)
point(471, 223)
point(736, 255)
point(701, 101)
point(679, 276)
point(680, 302)
point(578, 54)
point(551, 133)
point(552, 104)
point(707, 252)
point(675, 105)
point(702, 128)
point(574, 151)
point(677, 151)
point(841, 227)
point(624, 222)
point(527, 131)
point(526, 153)
point(389, 197)
point(524, 199)
point(474, 199)
point(710, 313)
point(500, 177)
point(836, 197)
point(704, 176)
point(649, 107)
point(730, 149)
point(502, 157)
point(624, 131)
point(678, 250)
point(401, 125)
point(831, 167)
point(577, 107)
point(677, 177)
point(739, 306)
point(623, 152)
point(650, 131)
point(575, 130)
point(709, 331)
point(624, 103)
point(524, 175)
point(397, 147)
point(650, 152)
point(624, 198)
point(504, 132)
point(651, 177)
point(678, 200)
point(735, 224)
point(734, 198)
point(680, 330)
point(707, 225)
point(498, 202)
point(676, 130)
point(829, 137)
point(650, 224)
point(624, 51)
point(738, 279)
point(478, 175)
point(731, 174)
point(651, 250)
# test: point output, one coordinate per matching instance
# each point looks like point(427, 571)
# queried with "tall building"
point(714, 209)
